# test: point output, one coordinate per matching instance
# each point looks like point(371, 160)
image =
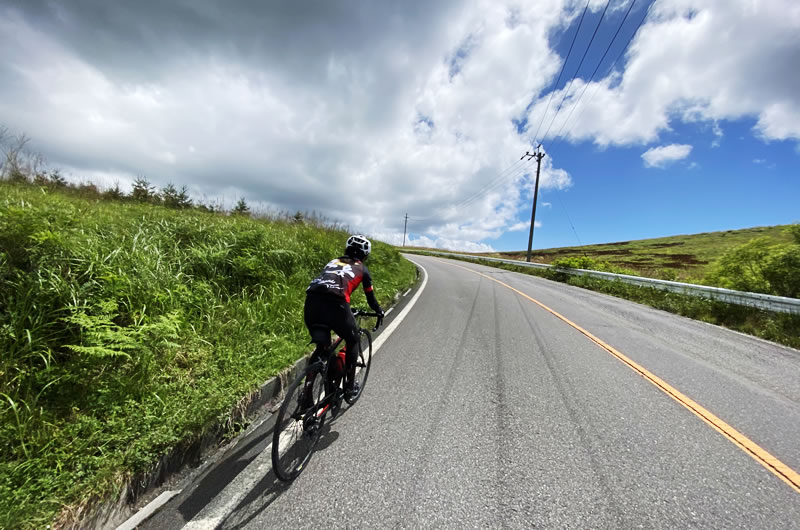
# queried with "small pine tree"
point(183, 198)
point(56, 179)
point(142, 191)
point(115, 193)
point(174, 198)
point(169, 196)
point(241, 208)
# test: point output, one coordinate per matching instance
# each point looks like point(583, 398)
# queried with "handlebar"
point(358, 313)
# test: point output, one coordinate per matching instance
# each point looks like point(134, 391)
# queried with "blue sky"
point(731, 179)
point(743, 182)
point(362, 112)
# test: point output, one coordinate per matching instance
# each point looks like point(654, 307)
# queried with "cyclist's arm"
point(370, 292)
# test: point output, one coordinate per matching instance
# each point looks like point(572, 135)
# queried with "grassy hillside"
point(127, 329)
point(683, 258)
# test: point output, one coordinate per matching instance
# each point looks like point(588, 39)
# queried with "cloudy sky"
point(681, 117)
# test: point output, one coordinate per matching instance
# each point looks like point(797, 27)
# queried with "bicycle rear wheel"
point(299, 424)
point(362, 364)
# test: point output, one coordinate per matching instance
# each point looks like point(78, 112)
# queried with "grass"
point(685, 258)
point(777, 327)
point(127, 330)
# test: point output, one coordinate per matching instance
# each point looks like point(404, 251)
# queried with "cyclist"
point(328, 302)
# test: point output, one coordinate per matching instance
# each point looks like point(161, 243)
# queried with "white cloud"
point(392, 118)
point(706, 60)
point(764, 162)
point(400, 106)
point(666, 154)
point(718, 134)
point(440, 243)
point(524, 225)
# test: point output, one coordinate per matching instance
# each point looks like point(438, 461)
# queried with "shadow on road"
point(226, 471)
point(269, 489)
point(223, 473)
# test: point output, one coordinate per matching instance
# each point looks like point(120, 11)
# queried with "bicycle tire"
point(298, 428)
point(363, 364)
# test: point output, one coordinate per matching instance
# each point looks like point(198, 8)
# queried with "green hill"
point(683, 258)
point(128, 329)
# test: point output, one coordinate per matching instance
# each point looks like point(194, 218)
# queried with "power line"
point(485, 188)
point(575, 104)
point(516, 173)
point(489, 188)
point(580, 244)
point(517, 169)
point(619, 56)
point(513, 169)
point(580, 23)
point(566, 91)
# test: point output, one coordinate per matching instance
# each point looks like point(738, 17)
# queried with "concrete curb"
point(176, 469)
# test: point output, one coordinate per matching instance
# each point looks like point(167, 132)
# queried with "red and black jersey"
point(340, 277)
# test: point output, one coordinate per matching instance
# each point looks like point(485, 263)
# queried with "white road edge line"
point(145, 512)
point(399, 318)
point(212, 515)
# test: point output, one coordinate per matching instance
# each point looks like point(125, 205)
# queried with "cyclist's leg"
point(315, 316)
point(345, 327)
point(334, 313)
point(317, 320)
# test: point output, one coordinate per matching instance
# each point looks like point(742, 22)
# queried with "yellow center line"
point(781, 470)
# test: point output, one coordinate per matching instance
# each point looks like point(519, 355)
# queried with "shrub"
point(761, 266)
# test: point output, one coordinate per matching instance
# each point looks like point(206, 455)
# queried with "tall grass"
point(128, 329)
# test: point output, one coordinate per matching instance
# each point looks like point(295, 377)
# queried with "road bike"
point(317, 390)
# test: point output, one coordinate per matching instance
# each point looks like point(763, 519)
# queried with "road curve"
point(485, 408)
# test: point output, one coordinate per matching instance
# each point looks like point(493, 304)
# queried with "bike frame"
point(330, 399)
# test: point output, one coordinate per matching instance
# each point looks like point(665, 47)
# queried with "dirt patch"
point(685, 259)
point(666, 245)
point(675, 265)
point(621, 251)
point(638, 265)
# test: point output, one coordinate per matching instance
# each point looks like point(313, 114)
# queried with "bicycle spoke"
point(296, 435)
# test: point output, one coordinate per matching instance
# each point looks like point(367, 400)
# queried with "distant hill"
point(682, 258)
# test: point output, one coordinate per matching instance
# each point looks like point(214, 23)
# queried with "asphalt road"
point(485, 410)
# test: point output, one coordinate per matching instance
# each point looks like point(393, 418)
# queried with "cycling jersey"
point(340, 277)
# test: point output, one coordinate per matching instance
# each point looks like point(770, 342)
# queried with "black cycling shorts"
point(332, 312)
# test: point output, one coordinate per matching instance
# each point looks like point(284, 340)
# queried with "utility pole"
point(405, 225)
point(538, 155)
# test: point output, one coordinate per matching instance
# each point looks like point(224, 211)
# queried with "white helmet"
point(358, 246)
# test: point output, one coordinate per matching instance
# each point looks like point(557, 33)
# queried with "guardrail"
point(779, 304)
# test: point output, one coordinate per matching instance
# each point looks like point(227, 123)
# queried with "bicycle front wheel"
point(362, 364)
point(299, 424)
